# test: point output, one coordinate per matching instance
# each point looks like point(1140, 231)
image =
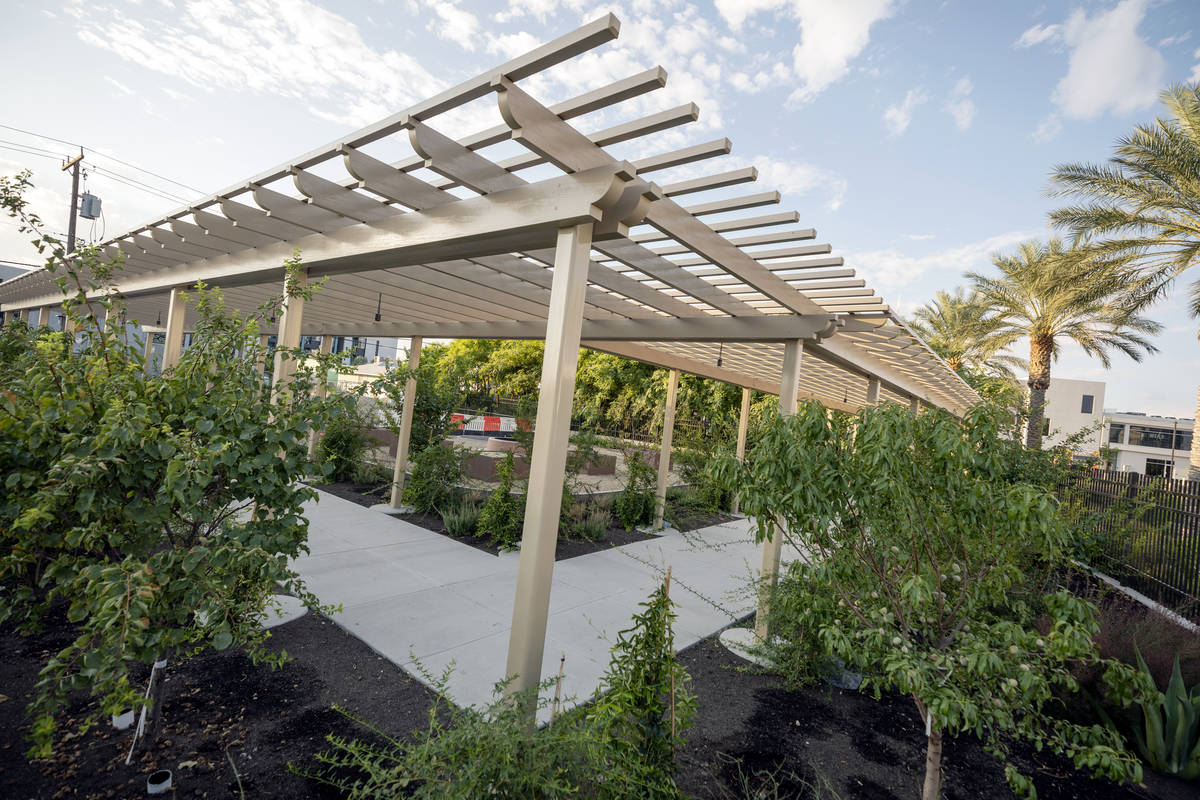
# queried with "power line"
point(30, 152)
point(105, 155)
point(136, 184)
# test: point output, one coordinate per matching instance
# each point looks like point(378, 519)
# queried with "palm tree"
point(1146, 200)
point(963, 331)
point(1051, 294)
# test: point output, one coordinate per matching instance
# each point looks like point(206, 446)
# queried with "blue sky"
point(915, 136)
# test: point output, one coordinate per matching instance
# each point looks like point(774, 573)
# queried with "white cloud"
point(919, 237)
point(120, 86)
point(1195, 76)
point(897, 117)
point(736, 12)
point(795, 178)
point(1038, 34)
point(1111, 68)
point(892, 270)
point(1048, 128)
point(776, 75)
point(293, 49)
point(1176, 39)
point(960, 106)
point(454, 24)
point(511, 45)
point(831, 36)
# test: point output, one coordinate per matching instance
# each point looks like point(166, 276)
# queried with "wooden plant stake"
point(557, 689)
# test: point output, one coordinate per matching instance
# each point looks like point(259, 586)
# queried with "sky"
point(916, 137)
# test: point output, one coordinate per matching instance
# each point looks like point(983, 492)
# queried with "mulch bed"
point(747, 724)
point(820, 738)
point(218, 702)
point(685, 519)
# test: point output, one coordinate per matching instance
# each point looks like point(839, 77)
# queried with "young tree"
point(1145, 202)
point(918, 564)
point(1051, 293)
point(157, 512)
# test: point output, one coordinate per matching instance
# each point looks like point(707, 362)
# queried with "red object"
point(491, 423)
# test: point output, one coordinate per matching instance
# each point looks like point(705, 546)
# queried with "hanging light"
point(158, 321)
point(720, 353)
point(379, 308)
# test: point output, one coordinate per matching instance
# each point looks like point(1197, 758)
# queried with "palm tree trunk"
point(1041, 349)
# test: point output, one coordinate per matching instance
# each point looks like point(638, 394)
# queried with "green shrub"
point(126, 500)
point(345, 442)
point(647, 706)
point(461, 519)
point(620, 748)
point(586, 519)
point(635, 504)
point(503, 514)
point(437, 472)
point(368, 474)
point(925, 566)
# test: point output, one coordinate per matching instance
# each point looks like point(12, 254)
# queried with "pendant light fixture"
point(720, 353)
point(379, 308)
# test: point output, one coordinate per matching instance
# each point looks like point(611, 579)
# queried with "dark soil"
point(822, 742)
point(748, 725)
point(214, 704)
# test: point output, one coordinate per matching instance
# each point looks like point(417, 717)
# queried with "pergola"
point(532, 229)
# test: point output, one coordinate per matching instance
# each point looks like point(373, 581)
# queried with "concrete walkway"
point(416, 596)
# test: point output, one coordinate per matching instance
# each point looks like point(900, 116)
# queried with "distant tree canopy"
point(611, 393)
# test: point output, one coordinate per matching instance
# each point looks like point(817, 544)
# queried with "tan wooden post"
point(664, 449)
point(743, 429)
point(914, 405)
point(173, 345)
point(288, 336)
point(44, 317)
point(406, 417)
point(320, 390)
point(148, 352)
point(773, 547)
point(872, 391)
point(552, 433)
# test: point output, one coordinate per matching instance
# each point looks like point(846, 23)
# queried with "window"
point(1183, 440)
point(1150, 437)
point(1045, 426)
point(1158, 468)
point(1086, 406)
point(1116, 434)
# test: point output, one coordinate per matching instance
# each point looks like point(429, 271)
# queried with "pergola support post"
point(914, 405)
point(740, 450)
point(173, 346)
point(148, 352)
point(289, 335)
point(552, 433)
point(773, 547)
point(406, 417)
point(320, 390)
point(664, 450)
point(44, 317)
point(872, 391)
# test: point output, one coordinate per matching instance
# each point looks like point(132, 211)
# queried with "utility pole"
point(73, 165)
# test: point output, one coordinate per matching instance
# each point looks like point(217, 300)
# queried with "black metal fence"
point(1148, 531)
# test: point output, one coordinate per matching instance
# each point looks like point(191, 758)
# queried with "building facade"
point(1152, 446)
point(1074, 411)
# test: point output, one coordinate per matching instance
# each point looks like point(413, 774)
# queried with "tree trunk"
point(1041, 349)
point(932, 790)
